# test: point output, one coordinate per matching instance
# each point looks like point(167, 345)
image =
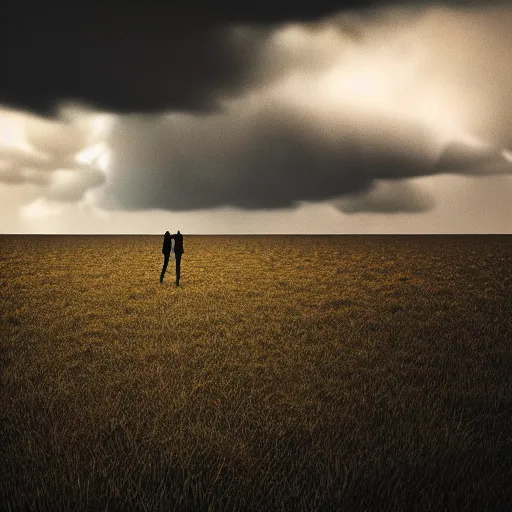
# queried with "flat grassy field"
point(286, 373)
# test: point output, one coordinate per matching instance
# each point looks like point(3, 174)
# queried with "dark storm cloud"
point(121, 59)
point(269, 155)
point(387, 197)
point(256, 153)
point(148, 58)
point(397, 196)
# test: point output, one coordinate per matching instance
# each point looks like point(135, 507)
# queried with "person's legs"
point(164, 268)
point(178, 268)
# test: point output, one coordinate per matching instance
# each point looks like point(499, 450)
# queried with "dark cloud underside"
point(141, 57)
point(271, 156)
point(391, 197)
point(122, 60)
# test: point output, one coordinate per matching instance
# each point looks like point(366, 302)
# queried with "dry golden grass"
point(286, 373)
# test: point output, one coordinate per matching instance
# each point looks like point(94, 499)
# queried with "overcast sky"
point(362, 117)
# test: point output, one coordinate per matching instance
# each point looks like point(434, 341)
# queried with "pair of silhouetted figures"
point(178, 251)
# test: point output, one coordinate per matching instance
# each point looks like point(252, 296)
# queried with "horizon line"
point(259, 234)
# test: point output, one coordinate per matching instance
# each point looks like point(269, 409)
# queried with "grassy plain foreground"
point(286, 373)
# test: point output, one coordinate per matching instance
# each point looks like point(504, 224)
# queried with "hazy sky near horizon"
point(392, 118)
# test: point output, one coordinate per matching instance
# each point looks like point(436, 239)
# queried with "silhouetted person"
point(178, 251)
point(166, 251)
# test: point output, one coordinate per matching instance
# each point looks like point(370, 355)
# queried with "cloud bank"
point(387, 197)
point(257, 116)
point(272, 155)
point(338, 114)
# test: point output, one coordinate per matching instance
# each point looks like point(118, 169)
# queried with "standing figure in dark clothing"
point(166, 251)
point(178, 251)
